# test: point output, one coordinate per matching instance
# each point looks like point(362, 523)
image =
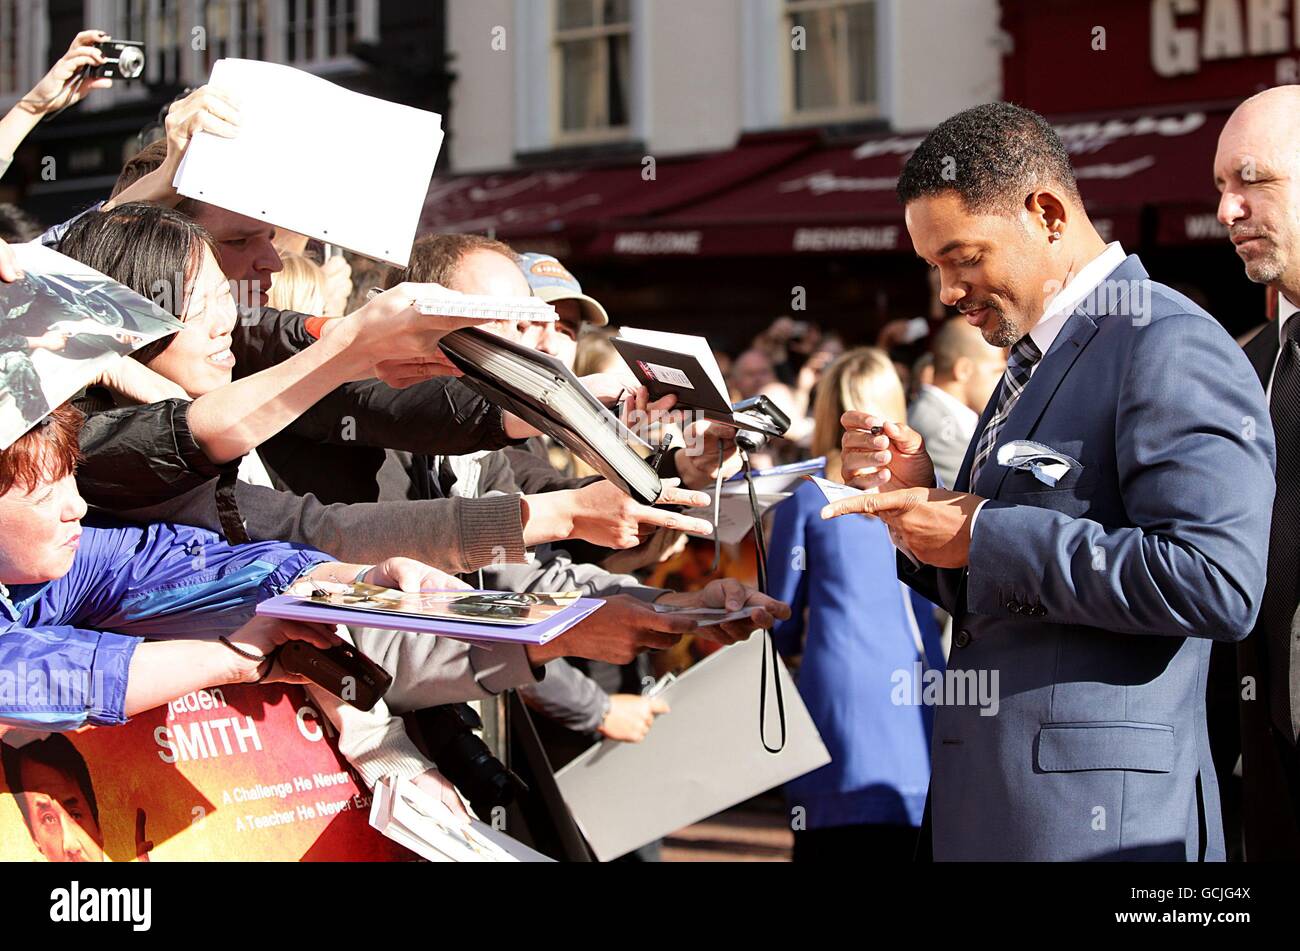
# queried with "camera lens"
point(465, 759)
point(130, 62)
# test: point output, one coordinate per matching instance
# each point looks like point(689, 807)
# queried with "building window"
point(322, 30)
point(832, 60)
point(23, 42)
point(235, 28)
point(310, 34)
point(593, 69)
point(157, 24)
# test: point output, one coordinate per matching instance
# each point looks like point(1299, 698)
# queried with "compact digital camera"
point(124, 60)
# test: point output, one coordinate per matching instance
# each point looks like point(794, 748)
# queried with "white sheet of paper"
point(735, 516)
point(705, 616)
point(415, 820)
point(834, 491)
point(316, 158)
point(703, 757)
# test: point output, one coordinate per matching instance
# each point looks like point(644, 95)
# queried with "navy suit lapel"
point(1050, 372)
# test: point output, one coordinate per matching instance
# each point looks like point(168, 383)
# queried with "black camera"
point(124, 59)
point(762, 411)
point(465, 759)
point(342, 670)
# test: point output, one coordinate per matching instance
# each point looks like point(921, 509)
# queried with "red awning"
point(841, 199)
point(792, 195)
point(835, 199)
point(575, 202)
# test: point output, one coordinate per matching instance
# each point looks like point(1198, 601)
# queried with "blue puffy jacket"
point(60, 668)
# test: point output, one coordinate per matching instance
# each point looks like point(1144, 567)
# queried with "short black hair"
point(993, 156)
point(16, 225)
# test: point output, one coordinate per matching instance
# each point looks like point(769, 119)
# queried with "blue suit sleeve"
point(170, 581)
point(59, 678)
point(787, 571)
point(1194, 450)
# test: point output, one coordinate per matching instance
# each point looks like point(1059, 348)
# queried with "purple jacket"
point(60, 667)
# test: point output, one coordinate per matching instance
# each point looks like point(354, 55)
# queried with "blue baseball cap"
point(552, 282)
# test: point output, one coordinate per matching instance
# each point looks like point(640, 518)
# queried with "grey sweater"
point(457, 534)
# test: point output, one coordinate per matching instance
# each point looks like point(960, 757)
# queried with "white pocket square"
point(1045, 463)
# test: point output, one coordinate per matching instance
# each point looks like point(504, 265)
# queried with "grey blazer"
point(946, 438)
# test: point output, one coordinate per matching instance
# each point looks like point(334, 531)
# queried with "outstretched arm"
point(57, 90)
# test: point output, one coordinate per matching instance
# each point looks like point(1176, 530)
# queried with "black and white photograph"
point(61, 325)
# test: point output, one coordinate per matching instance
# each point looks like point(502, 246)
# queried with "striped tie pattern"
point(1019, 366)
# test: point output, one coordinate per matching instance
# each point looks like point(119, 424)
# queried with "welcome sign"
point(240, 773)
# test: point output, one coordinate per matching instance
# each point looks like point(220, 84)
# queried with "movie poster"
point(240, 773)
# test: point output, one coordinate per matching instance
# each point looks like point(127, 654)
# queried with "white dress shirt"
point(1060, 309)
point(1285, 311)
point(1068, 299)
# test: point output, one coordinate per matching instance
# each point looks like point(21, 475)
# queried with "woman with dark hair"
point(164, 256)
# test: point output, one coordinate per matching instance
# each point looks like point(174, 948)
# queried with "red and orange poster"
point(241, 773)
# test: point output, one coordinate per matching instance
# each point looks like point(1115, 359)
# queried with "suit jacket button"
point(961, 638)
point(1013, 606)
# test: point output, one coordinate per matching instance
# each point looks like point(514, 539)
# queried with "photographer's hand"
point(57, 89)
point(697, 463)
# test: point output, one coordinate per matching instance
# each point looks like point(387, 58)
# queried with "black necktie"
point(1283, 590)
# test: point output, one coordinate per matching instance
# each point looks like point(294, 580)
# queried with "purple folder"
point(292, 608)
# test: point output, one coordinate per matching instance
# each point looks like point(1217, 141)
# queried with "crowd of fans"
point(230, 436)
point(305, 425)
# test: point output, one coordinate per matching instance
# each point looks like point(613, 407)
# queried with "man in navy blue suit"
point(1091, 570)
